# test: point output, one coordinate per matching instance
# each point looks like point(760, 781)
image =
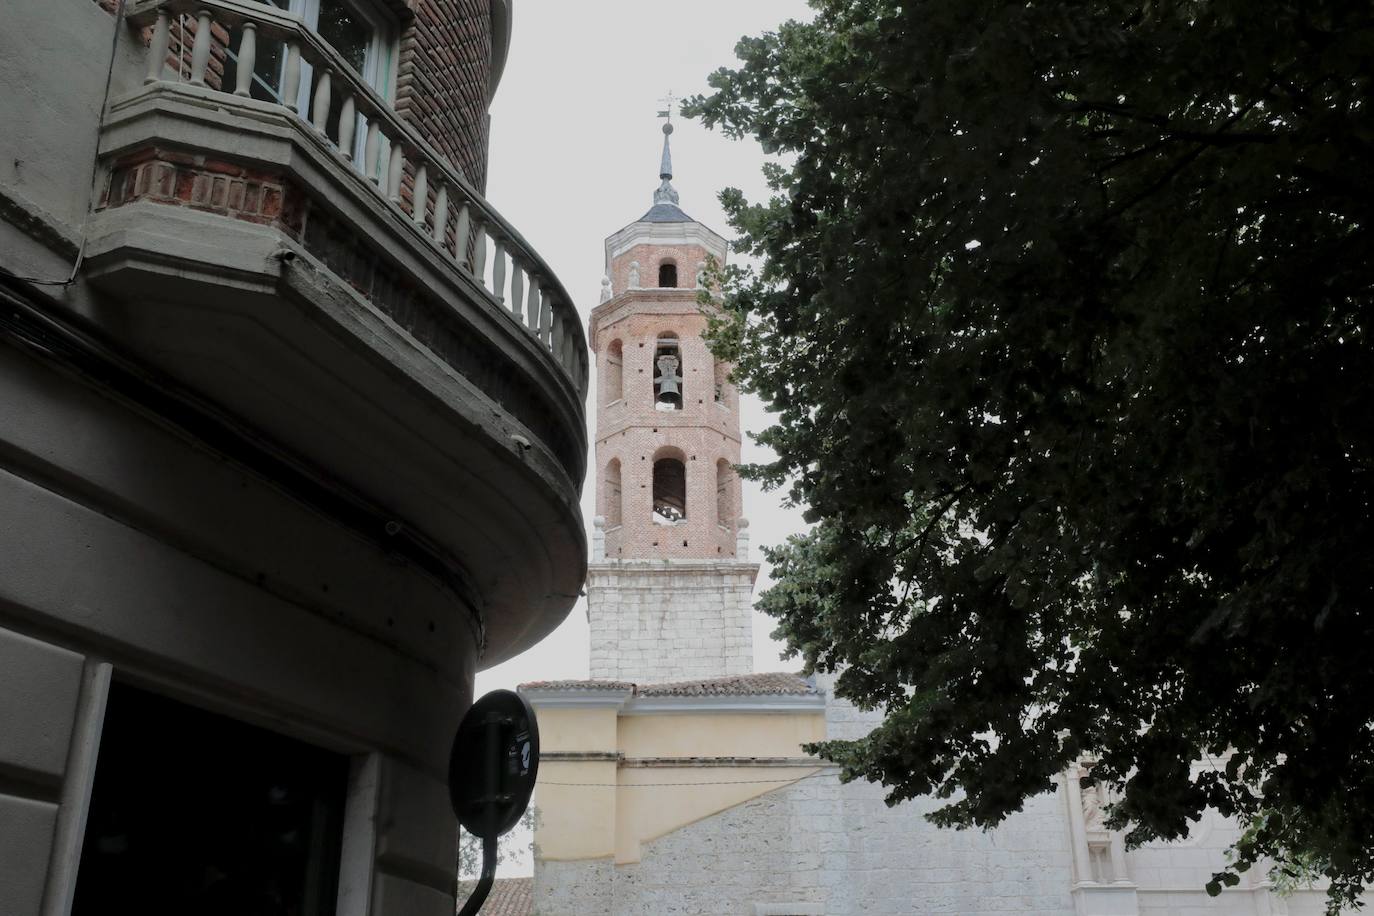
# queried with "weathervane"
point(668, 101)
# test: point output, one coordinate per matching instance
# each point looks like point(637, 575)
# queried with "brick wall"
point(441, 88)
point(631, 431)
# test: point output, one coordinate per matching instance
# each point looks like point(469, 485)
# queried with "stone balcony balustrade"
point(372, 314)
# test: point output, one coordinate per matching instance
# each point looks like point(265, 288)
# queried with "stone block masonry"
point(655, 621)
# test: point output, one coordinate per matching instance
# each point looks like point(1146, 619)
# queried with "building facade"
point(292, 434)
point(675, 780)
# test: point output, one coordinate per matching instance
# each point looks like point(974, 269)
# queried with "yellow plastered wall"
point(618, 806)
point(719, 734)
point(576, 821)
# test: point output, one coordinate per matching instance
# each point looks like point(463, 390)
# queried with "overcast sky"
point(574, 157)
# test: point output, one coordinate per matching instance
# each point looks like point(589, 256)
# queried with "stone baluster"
point(157, 49)
point(569, 359)
point(546, 316)
point(440, 214)
point(200, 50)
point(348, 123)
point(498, 269)
point(291, 77)
point(532, 306)
point(395, 169)
point(419, 197)
point(479, 253)
point(556, 340)
point(462, 230)
point(319, 109)
point(517, 289)
point(248, 57)
point(372, 149)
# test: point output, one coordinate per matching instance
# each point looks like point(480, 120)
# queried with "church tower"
point(670, 585)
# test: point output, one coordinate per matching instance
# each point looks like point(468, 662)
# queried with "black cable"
point(95, 163)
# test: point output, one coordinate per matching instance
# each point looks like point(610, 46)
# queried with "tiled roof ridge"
point(508, 897)
point(768, 683)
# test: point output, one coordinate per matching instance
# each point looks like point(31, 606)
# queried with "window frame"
point(380, 63)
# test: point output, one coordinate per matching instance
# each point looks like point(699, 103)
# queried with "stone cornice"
point(640, 233)
point(577, 697)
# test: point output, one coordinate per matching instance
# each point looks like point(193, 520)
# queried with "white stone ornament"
point(606, 289)
point(634, 275)
point(701, 274)
point(599, 537)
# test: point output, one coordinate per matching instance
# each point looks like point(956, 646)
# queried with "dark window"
point(196, 813)
point(670, 491)
point(667, 275)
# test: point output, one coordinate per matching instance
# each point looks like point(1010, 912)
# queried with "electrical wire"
point(95, 164)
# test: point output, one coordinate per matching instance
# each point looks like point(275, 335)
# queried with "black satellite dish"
point(491, 773)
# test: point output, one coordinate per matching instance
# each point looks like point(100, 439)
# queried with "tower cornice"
point(663, 234)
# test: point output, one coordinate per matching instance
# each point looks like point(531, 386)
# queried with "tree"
point(1063, 310)
point(508, 848)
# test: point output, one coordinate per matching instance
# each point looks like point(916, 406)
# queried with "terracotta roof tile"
point(768, 684)
point(577, 685)
point(508, 897)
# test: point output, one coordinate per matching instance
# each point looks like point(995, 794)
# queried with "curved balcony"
point(373, 315)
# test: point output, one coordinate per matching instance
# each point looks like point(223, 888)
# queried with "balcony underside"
point(247, 260)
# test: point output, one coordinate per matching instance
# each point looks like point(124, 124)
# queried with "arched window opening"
point(724, 512)
point(670, 491)
point(668, 393)
point(612, 386)
point(667, 275)
point(610, 508)
point(722, 381)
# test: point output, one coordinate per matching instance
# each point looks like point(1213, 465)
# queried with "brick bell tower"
point(670, 585)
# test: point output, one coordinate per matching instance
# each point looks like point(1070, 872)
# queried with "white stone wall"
point(817, 842)
point(655, 621)
point(840, 848)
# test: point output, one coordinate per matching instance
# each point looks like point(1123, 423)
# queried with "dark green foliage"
point(1064, 315)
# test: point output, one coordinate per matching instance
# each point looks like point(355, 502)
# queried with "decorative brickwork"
point(445, 73)
point(203, 183)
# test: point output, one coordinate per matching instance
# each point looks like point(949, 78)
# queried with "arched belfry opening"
point(670, 487)
point(668, 394)
point(667, 274)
